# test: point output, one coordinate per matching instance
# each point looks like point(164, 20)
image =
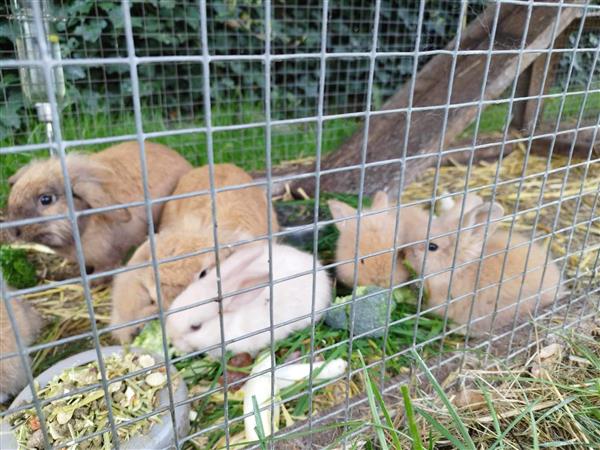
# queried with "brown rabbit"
point(186, 226)
point(29, 323)
point(377, 235)
point(439, 261)
point(110, 177)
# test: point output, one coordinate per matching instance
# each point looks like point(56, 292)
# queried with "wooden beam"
point(387, 131)
point(535, 82)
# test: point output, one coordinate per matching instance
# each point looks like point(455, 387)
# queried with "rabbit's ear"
point(90, 182)
point(472, 201)
point(340, 210)
point(244, 269)
point(18, 174)
point(479, 216)
point(380, 201)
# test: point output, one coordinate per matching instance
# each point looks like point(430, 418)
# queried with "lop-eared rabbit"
point(110, 177)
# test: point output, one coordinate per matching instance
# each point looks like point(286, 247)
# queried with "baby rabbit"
point(377, 235)
point(248, 312)
point(29, 322)
point(439, 258)
point(110, 177)
point(186, 226)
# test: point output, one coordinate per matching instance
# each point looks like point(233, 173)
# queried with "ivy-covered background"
point(99, 98)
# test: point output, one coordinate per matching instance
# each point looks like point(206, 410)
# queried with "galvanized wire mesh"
point(262, 83)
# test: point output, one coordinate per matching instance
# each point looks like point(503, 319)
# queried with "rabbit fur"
point(199, 328)
point(377, 236)
point(186, 226)
point(471, 242)
point(110, 177)
point(29, 323)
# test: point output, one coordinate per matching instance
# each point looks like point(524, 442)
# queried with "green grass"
point(493, 118)
point(335, 343)
point(245, 147)
point(515, 408)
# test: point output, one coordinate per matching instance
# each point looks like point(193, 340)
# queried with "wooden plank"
point(387, 132)
point(530, 85)
point(584, 146)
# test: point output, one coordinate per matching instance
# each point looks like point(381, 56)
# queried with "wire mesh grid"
point(260, 84)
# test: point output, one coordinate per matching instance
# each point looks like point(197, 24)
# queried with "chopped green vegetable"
point(16, 268)
point(405, 294)
point(369, 313)
point(85, 413)
point(150, 339)
point(413, 275)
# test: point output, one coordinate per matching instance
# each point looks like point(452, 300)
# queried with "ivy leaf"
point(91, 31)
point(7, 30)
point(167, 4)
point(116, 18)
point(108, 6)
point(192, 17)
point(9, 115)
point(74, 72)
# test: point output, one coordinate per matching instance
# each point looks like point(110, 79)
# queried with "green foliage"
point(96, 29)
point(18, 272)
point(582, 61)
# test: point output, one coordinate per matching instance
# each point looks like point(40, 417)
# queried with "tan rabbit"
point(439, 260)
point(29, 323)
point(377, 236)
point(110, 177)
point(186, 226)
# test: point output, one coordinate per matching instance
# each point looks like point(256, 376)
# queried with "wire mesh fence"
point(270, 311)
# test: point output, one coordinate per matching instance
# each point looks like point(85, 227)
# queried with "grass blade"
point(513, 424)
point(373, 406)
point(490, 405)
point(391, 429)
point(410, 420)
point(462, 429)
point(259, 425)
point(388, 419)
point(441, 429)
point(534, 431)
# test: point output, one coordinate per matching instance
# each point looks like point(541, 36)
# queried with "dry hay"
point(552, 396)
point(66, 314)
point(577, 229)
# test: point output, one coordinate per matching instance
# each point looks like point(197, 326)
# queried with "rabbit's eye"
point(202, 274)
point(195, 327)
point(47, 199)
point(432, 247)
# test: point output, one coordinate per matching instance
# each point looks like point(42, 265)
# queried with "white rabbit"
point(540, 277)
point(248, 312)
